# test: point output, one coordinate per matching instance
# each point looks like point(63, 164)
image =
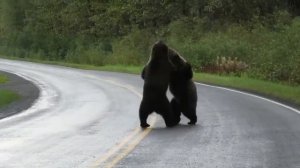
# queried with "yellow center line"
point(116, 148)
point(130, 146)
point(127, 144)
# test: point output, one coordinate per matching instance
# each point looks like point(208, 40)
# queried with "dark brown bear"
point(156, 75)
point(183, 88)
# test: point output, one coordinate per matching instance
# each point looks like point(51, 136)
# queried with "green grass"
point(7, 97)
point(286, 92)
point(276, 90)
point(3, 78)
point(111, 68)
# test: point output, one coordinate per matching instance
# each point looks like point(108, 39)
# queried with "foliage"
point(262, 34)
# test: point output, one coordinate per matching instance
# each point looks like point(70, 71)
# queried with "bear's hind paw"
point(145, 125)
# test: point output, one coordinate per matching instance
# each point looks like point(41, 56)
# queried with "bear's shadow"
point(160, 133)
point(178, 128)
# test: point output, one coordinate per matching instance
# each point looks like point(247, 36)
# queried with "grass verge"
point(3, 78)
point(7, 97)
point(275, 90)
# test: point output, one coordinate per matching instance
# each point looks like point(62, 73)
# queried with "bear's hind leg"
point(144, 111)
point(191, 114)
point(164, 109)
point(176, 110)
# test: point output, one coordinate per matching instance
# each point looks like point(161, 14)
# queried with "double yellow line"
point(126, 145)
point(118, 152)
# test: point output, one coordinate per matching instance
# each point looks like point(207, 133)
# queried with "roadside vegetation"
point(6, 96)
point(265, 88)
point(252, 45)
point(3, 79)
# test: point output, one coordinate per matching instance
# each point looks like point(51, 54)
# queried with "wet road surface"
point(90, 119)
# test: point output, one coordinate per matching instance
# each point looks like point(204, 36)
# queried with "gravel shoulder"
point(27, 91)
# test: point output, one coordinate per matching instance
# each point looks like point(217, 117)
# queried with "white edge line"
point(252, 95)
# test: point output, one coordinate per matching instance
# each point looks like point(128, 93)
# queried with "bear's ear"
point(188, 72)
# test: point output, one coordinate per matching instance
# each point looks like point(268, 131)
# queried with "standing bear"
point(183, 88)
point(156, 75)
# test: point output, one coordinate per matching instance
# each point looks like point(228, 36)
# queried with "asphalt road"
point(90, 119)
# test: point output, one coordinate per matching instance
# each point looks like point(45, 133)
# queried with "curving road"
point(90, 119)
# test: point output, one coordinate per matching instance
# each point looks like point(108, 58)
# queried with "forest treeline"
point(257, 38)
